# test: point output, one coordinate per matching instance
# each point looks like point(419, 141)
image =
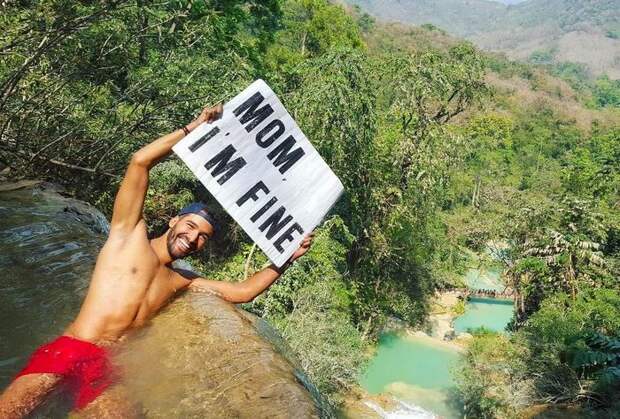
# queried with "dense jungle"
point(443, 150)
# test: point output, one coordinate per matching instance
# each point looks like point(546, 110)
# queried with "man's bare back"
point(131, 281)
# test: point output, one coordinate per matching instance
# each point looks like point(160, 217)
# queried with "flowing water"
point(415, 370)
point(46, 256)
point(201, 357)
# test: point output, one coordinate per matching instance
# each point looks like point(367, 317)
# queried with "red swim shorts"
point(85, 366)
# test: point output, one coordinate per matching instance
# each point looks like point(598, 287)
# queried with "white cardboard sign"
point(263, 170)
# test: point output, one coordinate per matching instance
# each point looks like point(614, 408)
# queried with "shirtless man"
point(131, 281)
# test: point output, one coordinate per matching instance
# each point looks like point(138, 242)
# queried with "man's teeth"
point(184, 244)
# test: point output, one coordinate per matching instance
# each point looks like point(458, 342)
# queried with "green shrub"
point(489, 379)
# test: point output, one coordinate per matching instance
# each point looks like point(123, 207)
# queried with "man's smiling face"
point(188, 234)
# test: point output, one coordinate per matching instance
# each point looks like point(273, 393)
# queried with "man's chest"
point(160, 291)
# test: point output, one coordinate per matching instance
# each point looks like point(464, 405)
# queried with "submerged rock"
point(200, 357)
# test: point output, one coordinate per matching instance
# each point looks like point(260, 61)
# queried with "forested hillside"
point(584, 32)
point(442, 149)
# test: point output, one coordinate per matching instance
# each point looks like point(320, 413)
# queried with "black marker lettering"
point(223, 166)
point(260, 186)
point(276, 123)
point(253, 115)
point(288, 236)
point(283, 156)
point(275, 222)
point(265, 207)
point(200, 142)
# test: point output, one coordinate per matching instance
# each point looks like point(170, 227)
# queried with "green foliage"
point(84, 85)
point(311, 305)
point(591, 169)
point(484, 378)
point(563, 253)
point(507, 68)
point(325, 261)
point(96, 81)
point(310, 28)
point(336, 109)
point(409, 172)
point(567, 352)
point(542, 56)
point(601, 92)
point(599, 354)
point(431, 27)
point(322, 335)
point(459, 308)
point(561, 321)
point(576, 73)
point(607, 92)
point(171, 187)
point(548, 193)
point(561, 335)
point(366, 22)
point(613, 34)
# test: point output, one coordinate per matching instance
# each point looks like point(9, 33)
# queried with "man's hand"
point(303, 248)
point(208, 114)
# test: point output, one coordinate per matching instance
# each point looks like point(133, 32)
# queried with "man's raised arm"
point(130, 197)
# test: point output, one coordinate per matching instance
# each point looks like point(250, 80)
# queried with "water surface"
point(415, 370)
point(490, 313)
point(46, 258)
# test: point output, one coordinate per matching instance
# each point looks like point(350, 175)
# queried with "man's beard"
point(173, 248)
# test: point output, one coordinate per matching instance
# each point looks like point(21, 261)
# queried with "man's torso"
point(128, 286)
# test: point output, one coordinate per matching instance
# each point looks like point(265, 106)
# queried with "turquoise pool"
point(490, 313)
point(415, 370)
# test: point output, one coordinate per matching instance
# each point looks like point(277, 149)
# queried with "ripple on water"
point(46, 258)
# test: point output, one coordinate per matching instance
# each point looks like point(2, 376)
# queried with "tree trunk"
point(476, 194)
point(247, 262)
point(303, 44)
point(142, 34)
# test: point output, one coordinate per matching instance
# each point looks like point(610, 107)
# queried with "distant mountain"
point(581, 31)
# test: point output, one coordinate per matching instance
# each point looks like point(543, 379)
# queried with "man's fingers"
point(214, 113)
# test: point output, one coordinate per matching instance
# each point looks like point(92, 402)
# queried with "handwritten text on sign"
point(263, 170)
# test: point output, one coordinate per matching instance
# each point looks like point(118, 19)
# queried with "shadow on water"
point(200, 357)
